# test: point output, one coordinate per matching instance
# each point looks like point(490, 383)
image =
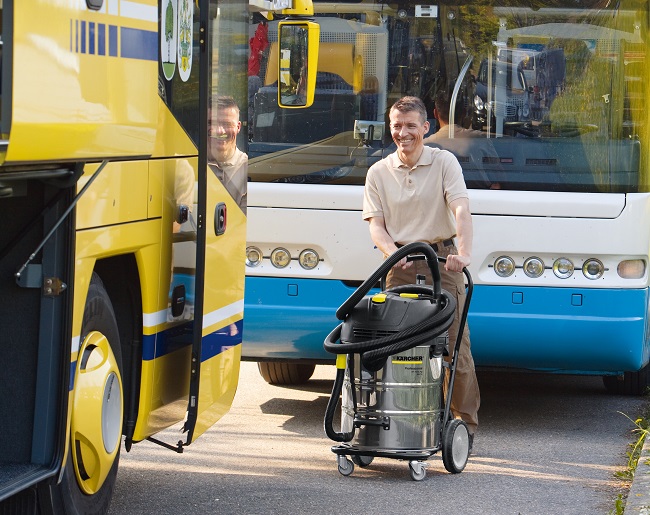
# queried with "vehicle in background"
point(501, 96)
point(561, 232)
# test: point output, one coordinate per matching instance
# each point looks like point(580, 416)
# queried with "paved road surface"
point(546, 445)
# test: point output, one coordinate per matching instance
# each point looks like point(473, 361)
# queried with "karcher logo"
point(407, 359)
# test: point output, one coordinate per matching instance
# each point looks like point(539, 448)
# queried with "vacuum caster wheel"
point(346, 467)
point(362, 461)
point(418, 470)
point(455, 446)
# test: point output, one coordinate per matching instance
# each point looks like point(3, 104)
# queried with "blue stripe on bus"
point(91, 38)
point(139, 44)
point(112, 40)
point(101, 39)
point(536, 328)
point(82, 36)
point(221, 340)
point(168, 341)
point(73, 368)
point(581, 330)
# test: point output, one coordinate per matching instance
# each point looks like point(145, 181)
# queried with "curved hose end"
point(331, 409)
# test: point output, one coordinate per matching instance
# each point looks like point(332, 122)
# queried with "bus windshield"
point(539, 99)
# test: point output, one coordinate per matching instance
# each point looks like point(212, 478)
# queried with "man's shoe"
point(471, 443)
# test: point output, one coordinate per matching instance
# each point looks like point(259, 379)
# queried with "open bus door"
point(221, 221)
point(221, 227)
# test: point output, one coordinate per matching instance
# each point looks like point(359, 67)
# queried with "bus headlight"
point(253, 256)
point(504, 266)
point(563, 268)
point(533, 267)
point(631, 269)
point(593, 269)
point(280, 257)
point(478, 103)
point(308, 259)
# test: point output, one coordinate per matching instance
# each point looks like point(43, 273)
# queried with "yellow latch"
point(379, 298)
point(409, 295)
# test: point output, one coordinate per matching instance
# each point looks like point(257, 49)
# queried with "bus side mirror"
point(298, 62)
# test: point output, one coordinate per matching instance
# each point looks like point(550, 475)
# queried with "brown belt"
point(437, 246)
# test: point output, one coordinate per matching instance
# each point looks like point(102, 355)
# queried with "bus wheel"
point(630, 383)
point(97, 409)
point(279, 373)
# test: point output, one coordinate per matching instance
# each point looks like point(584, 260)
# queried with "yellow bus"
point(122, 247)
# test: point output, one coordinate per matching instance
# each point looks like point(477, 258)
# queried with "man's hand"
point(403, 263)
point(456, 263)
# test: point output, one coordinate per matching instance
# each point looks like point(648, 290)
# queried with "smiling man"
point(228, 162)
point(418, 194)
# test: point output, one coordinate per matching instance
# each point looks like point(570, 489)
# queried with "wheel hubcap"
point(96, 424)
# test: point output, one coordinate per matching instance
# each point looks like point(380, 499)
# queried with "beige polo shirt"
point(233, 173)
point(414, 202)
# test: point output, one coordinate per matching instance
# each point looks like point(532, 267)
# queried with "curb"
point(638, 499)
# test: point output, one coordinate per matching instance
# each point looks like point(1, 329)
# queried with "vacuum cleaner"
point(391, 372)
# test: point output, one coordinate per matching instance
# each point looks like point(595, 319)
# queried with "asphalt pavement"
point(547, 444)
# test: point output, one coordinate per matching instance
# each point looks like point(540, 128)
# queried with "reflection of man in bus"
point(462, 142)
point(418, 194)
point(228, 162)
point(441, 113)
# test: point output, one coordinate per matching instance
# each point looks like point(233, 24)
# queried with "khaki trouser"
point(466, 398)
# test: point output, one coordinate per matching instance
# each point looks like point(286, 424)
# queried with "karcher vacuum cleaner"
point(391, 372)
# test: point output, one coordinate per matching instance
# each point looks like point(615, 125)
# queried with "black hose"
point(384, 268)
point(331, 410)
point(377, 350)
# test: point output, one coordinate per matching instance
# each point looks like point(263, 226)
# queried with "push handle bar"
point(381, 272)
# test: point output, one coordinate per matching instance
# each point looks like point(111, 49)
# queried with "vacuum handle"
point(384, 268)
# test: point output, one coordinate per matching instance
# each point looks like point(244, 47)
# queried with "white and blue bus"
point(551, 115)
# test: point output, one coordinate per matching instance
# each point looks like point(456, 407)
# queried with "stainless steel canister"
point(398, 407)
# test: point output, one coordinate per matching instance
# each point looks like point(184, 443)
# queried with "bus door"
point(221, 228)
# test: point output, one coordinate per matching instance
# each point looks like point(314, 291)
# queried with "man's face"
point(407, 130)
point(224, 127)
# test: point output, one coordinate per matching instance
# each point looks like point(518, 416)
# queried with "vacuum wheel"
point(455, 446)
point(418, 470)
point(362, 461)
point(346, 467)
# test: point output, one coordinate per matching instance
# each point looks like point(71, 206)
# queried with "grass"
point(640, 431)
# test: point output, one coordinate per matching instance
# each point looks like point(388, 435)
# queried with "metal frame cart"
point(391, 372)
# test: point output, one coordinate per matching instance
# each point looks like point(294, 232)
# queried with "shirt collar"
point(426, 158)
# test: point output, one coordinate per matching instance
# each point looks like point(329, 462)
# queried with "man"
point(418, 194)
point(226, 160)
point(482, 163)
point(445, 131)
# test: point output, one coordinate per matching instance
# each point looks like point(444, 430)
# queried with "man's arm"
point(383, 241)
point(464, 235)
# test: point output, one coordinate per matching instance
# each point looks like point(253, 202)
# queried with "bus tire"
point(279, 373)
point(630, 383)
point(90, 471)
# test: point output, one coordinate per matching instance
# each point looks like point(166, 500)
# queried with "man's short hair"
point(408, 104)
point(442, 101)
point(227, 102)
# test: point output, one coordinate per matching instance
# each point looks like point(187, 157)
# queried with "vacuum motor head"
point(388, 313)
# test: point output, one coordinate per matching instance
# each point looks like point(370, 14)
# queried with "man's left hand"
point(456, 263)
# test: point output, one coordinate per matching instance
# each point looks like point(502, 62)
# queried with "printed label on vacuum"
point(407, 360)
